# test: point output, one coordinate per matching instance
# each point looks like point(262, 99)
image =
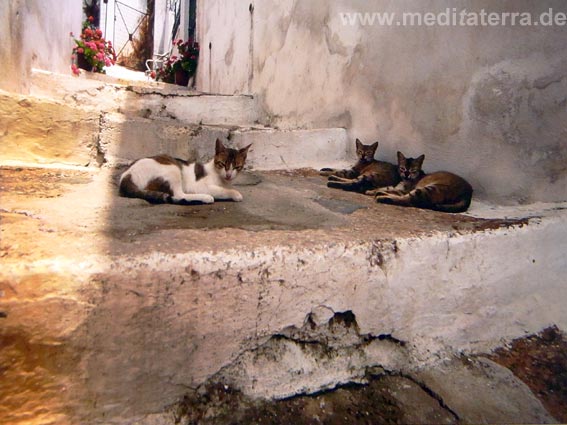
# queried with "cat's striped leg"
point(344, 174)
point(380, 190)
point(353, 185)
point(422, 198)
point(327, 171)
point(339, 179)
point(394, 197)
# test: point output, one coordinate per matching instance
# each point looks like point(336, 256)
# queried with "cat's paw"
point(384, 199)
point(325, 171)
point(237, 196)
point(207, 199)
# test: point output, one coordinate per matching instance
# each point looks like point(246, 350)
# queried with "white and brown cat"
point(439, 191)
point(163, 179)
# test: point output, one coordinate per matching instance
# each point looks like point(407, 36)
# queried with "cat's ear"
point(244, 150)
point(219, 147)
point(419, 160)
point(401, 157)
point(358, 144)
point(374, 146)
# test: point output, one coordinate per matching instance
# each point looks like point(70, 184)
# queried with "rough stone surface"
point(120, 298)
point(273, 149)
point(483, 392)
point(124, 139)
point(540, 361)
point(96, 129)
point(45, 131)
point(308, 354)
point(147, 99)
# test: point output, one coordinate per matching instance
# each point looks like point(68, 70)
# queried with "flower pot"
point(181, 77)
point(83, 63)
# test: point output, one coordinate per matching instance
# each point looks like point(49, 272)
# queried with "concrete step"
point(151, 99)
point(296, 289)
point(123, 139)
point(42, 130)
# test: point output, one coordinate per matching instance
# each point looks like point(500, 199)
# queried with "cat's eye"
point(220, 164)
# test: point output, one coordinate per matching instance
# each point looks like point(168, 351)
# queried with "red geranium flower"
point(93, 48)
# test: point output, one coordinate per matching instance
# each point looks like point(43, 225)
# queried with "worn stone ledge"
point(156, 100)
point(124, 298)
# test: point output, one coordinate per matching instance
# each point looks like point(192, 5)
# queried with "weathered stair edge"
point(156, 100)
point(486, 290)
point(124, 139)
point(38, 130)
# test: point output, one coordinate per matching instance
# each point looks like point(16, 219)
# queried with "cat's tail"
point(457, 207)
point(128, 189)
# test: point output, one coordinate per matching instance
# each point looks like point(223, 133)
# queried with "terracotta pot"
point(83, 63)
point(181, 77)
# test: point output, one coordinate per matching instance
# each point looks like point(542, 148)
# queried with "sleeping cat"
point(368, 173)
point(164, 179)
point(439, 191)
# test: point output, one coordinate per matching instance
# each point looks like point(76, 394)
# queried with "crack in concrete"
point(310, 355)
point(100, 153)
point(142, 91)
point(21, 212)
point(428, 390)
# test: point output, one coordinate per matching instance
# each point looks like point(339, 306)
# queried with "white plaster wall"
point(35, 34)
point(486, 102)
point(224, 28)
point(163, 24)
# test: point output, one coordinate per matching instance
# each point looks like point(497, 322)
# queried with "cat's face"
point(229, 162)
point(409, 168)
point(365, 152)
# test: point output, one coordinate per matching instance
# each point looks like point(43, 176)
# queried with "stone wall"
point(35, 34)
point(487, 102)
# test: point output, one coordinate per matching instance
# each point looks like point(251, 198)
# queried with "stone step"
point(38, 129)
point(297, 289)
point(151, 99)
point(123, 139)
point(43, 131)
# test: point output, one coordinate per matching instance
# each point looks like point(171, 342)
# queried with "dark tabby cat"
point(164, 179)
point(368, 173)
point(439, 191)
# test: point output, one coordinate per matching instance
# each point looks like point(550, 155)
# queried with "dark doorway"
point(192, 18)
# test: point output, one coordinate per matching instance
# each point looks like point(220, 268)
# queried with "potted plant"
point(178, 69)
point(92, 52)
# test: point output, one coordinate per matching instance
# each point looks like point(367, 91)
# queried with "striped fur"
point(367, 174)
point(440, 191)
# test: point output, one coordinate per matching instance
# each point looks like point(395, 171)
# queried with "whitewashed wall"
point(487, 102)
point(35, 34)
point(225, 32)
